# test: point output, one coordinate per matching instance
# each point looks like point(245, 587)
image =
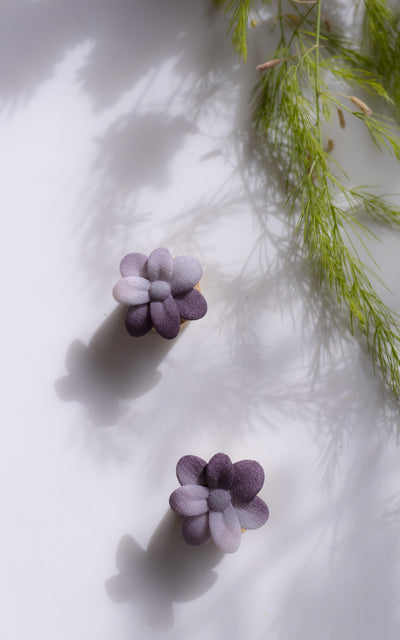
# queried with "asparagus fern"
point(292, 101)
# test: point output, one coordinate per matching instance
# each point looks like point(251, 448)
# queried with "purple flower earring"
point(218, 500)
point(160, 291)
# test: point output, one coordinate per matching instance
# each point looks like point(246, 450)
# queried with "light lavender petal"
point(138, 321)
point(133, 264)
point(160, 265)
point(189, 500)
point(225, 529)
point(186, 274)
point(165, 317)
point(253, 514)
point(132, 290)
point(191, 305)
point(248, 479)
point(219, 472)
point(195, 529)
point(190, 470)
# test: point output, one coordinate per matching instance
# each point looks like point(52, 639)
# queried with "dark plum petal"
point(225, 529)
point(195, 529)
point(165, 317)
point(191, 305)
point(248, 479)
point(189, 500)
point(252, 514)
point(186, 274)
point(219, 472)
point(160, 265)
point(138, 321)
point(133, 264)
point(190, 470)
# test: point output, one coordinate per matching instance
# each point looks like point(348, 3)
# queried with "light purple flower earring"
point(159, 292)
point(218, 500)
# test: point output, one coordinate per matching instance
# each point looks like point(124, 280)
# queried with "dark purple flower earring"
point(160, 291)
point(218, 500)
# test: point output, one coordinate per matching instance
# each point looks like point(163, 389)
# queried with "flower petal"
point(160, 265)
point(248, 479)
point(195, 529)
point(165, 317)
point(253, 514)
point(190, 470)
point(219, 472)
point(191, 305)
point(225, 529)
point(132, 290)
point(189, 500)
point(187, 272)
point(138, 321)
point(133, 264)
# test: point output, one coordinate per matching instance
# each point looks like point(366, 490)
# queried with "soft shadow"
point(168, 571)
point(35, 36)
point(112, 369)
point(135, 151)
point(333, 386)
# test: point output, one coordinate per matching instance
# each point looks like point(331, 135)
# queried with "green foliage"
point(238, 11)
point(382, 42)
point(291, 101)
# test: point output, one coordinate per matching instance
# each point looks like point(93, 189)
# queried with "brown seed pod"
point(269, 64)
point(361, 105)
point(295, 20)
point(342, 121)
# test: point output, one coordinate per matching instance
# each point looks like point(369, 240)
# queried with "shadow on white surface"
point(129, 38)
point(136, 151)
point(346, 586)
point(169, 571)
point(111, 370)
point(334, 376)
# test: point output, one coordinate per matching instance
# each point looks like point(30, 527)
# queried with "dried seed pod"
point(330, 146)
point(293, 19)
point(342, 121)
point(269, 64)
point(361, 105)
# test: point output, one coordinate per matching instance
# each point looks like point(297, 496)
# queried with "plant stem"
point(281, 27)
point(317, 108)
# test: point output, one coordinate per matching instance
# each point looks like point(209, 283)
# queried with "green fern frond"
point(291, 102)
point(238, 12)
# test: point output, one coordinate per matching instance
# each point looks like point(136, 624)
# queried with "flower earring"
point(218, 500)
point(160, 291)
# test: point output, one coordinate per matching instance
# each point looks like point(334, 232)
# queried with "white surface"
point(123, 129)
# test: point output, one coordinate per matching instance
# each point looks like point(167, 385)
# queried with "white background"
point(123, 127)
